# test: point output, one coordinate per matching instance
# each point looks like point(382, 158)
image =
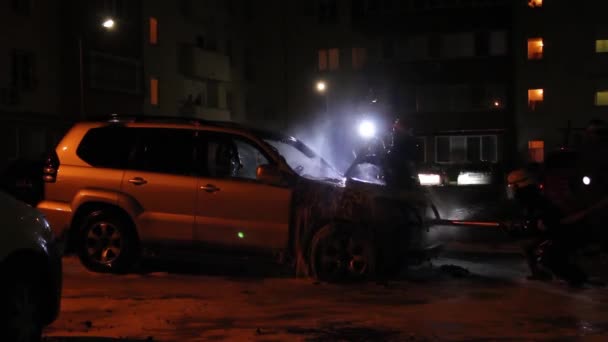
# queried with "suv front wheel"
point(107, 242)
point(339, 254)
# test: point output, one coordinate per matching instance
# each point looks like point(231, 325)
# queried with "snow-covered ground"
point(486, 299)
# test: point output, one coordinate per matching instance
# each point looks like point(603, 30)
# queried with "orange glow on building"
point(334, 59)
point(153, 31)
point(359, 57)
point(154, 91)
point(535, 48)
point(535, 3)
point(535, 97)
point(536, 150)
point(322, 60)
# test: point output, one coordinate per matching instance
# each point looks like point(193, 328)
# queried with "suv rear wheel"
point(107, 242)
point(342, 254)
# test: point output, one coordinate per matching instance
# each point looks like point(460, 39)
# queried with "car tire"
point(20, 308)
point(107, 243)
point(342, 254)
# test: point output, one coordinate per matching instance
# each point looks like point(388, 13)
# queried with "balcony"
point(203, 64)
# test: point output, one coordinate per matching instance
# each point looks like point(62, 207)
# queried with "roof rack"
point(120, 118)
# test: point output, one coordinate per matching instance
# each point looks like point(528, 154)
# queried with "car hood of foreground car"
point(21, 226)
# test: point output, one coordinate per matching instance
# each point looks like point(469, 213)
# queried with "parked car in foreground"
point(22, 179)
point(30, 267)
point(115, 188)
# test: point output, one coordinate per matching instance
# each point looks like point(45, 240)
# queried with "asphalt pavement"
point(460, 297)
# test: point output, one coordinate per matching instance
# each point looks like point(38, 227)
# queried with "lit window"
point(154, 91)
point(601, 98)
point(535, 48)
point(535, 97)
point(334, 59)
point(153, 31)
point(359, 57)
point(536, 151)
point(535, 3)
point(322, 60)
point(601, 45)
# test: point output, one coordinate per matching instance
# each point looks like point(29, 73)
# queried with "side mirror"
point(269, 174)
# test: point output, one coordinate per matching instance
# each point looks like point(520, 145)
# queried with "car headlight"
point(429, 179)
point(474, 178)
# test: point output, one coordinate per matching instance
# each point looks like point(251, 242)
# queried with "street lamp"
point(322, 89)
point(321, 86)
point(367, 129)
point(108, 24)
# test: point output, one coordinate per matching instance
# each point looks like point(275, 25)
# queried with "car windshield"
point(303, 160)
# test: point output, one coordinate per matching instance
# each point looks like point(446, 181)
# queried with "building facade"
point(60, 64)
point(562, 72)
point(445, 68)
point(195, 60)
point(29, 74)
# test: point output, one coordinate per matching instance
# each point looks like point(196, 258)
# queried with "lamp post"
point(108, 24)
point(321, 87)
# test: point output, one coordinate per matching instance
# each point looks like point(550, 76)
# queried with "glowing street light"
point(367, 129)
point(321, 86)
point(108, 23)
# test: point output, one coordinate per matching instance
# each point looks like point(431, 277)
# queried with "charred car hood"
point(354, 200)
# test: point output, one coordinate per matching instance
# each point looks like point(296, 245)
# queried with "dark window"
point(435, 46)
point(113, 73)
point(200, 42)
point(328, 12)
point(489, 148)
point(116, 8)
point(22, 7)
point(421, 149)
point(213, 94)
point(373, 6)
point(458, 149)
point(482, 44)
point(388, 49)
point(307, 8)
point(230, 7)
point(229, 100)
point(248, 65)
point(164, 151)
point(212, 44)
point(226, 156)
point(473, 149)
point(107, 147)
point(23, 70)
point(442, 149)
point(229, 52)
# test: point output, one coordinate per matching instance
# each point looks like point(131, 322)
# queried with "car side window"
point(162, 150)
point(228, 156)
point(107, 147)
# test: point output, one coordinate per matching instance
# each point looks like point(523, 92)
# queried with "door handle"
point(138, 181)
point(210, 188)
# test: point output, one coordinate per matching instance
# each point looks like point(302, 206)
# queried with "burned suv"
point(120, 187)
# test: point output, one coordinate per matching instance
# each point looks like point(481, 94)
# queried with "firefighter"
point(401, 156)
point(524, 186)
point(554, 240)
